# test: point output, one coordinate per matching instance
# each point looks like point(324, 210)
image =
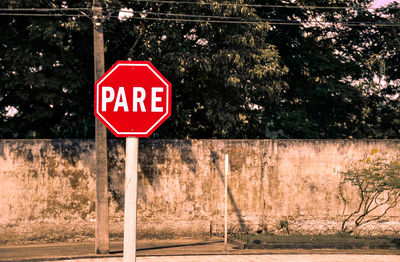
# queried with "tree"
point(224, 75)
point(312, 80)
point(47, 75)
point(376, 180)
point(328, 95)
point(384, 104)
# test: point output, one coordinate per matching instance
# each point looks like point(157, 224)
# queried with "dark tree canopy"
point(259, 80)
point(46, 74)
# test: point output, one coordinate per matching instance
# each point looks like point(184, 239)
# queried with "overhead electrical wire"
point(45, 9)
point(266, 5)
point(283, 22)
point(214, 3)
point(184, 15)
point(35, 14)
point(238, 20)
point(46, 12)
point(242, 20)
point(271, 22)
point(194, 20)
point(176, 17)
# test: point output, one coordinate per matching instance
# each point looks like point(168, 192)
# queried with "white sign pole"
point(226, 202)
point(131, 178)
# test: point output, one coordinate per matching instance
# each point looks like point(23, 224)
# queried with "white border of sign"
point(132, 133)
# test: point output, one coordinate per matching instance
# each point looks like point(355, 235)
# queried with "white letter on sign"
point(139, 99)
point(121, 100)
point(106, 99)
point(155, 99)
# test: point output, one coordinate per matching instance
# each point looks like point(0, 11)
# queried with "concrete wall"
point(182, 180)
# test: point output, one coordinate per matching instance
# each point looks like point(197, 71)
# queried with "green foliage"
point(328, 241)
point(284, 224)
point(229, 80)
point(328, 94)
point(224, 76)
point(376, 180)
point(46, 74)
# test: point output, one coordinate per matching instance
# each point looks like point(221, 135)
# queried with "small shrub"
point(284, 224)
point(376, 180)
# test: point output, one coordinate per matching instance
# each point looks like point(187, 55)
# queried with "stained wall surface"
point(181, 181)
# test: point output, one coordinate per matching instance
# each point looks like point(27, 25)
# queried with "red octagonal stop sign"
point(132, 99)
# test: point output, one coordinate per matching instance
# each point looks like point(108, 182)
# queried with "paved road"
point(187, 251)
point(259, 258)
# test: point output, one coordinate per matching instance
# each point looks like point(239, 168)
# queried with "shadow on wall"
point(152, 154)
point(116, 171)
point(188, 157)
point(214, 157)
point(149, 160)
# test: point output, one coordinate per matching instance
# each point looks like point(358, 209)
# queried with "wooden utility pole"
point(102, 230)
point(11, 4)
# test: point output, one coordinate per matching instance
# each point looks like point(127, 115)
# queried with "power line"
point(239, 20)
point(44, 9)
point(210, 3)
point(15, 11)
point(194, 18)
point(266, 5)
point(185, 15)
point(45, 12)
point(243, 21)
point(30, 14)
point(270, 21)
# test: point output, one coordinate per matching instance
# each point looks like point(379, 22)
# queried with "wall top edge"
point(211, 139)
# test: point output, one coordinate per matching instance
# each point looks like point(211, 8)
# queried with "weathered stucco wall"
point(45, 179)
point(182, 180)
